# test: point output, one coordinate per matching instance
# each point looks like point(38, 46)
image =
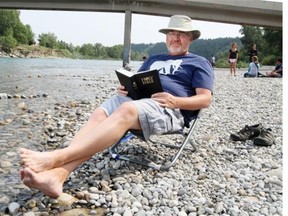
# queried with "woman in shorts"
point(232, 58)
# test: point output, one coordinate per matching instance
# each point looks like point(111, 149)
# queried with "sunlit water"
point(37, 76)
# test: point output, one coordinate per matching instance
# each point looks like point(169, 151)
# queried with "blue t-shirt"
point(279, 67)
point(181, 75)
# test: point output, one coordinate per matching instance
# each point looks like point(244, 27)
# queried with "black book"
point(141, 84)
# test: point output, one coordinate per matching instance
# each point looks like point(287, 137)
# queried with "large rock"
point(66, 200)
point(84, 212)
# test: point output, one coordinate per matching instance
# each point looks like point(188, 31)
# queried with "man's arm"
point(202, 99)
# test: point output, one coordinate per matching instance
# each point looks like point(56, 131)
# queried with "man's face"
point(178, 42)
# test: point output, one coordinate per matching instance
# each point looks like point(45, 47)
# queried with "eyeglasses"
point(178, 34)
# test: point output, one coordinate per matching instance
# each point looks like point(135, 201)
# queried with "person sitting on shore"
point(188, 82)
point(278, 71)
point(253, 69)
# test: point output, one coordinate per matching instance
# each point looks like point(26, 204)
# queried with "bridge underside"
point(245, 12)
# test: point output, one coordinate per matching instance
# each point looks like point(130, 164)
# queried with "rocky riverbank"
point(221, 178)
point(32, 51)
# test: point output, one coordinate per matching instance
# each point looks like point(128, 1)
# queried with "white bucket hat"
point(181, 23)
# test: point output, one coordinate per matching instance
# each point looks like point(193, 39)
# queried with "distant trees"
point(48, 40)
point(12, 31)
point(268, 41)
point(115, 51)
point(274, 44)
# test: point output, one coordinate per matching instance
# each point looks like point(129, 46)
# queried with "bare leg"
point(272, 74)
point(46, 159)
point(95, 119)
point(232, 68)
point(50, 180)
point(88, 142)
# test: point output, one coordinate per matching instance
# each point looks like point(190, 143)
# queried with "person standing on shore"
point(252, 52)
point(232, 58)
point(187, 80)
point(213, 60)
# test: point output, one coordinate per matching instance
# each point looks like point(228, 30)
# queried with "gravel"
point(221, 178)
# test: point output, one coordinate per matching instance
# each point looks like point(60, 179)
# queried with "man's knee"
point(127, 110)
point(97, 115)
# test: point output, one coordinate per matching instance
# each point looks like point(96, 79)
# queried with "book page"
point(125, 72)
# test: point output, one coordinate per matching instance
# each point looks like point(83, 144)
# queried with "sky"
point(79, 28)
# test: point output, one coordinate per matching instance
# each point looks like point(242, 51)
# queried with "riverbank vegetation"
point(18, 40)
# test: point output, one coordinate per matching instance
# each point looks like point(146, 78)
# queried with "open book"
point(141, 84)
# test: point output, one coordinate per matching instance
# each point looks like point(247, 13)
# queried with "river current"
point(55, 77)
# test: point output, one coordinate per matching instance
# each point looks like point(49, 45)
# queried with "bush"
point(242, 64)
point(223, 63)
point(269, 60)
point(7, 43)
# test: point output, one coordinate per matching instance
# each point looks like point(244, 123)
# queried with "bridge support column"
point(127, 37)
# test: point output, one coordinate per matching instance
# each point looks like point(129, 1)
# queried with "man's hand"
point(165, 99)
point(121, 91)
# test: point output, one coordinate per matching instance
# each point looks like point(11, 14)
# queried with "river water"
point(55, 77)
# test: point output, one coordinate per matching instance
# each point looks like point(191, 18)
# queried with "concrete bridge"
point(263, 13)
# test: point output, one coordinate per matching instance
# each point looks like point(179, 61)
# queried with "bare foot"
point(49, 182)
point(39, 161)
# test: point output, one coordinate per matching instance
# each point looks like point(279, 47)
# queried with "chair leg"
point(181, 147)
point(118, 156)
point(164, 166)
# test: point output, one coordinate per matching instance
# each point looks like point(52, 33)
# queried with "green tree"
point(274, 40)
point(20, 34)
point(87, 50)
point(7, 43)
point(30, 35)
point(268, 40)
point(115, 52)
point(100, 51)
point(9, 19)
point(12, 31)
point(8, 22)
point(251, 35)
point(48, 40)
point(62, 45)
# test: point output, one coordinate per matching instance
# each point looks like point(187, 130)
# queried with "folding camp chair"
point(186, 135)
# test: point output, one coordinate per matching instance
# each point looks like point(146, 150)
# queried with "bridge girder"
point(245, 12)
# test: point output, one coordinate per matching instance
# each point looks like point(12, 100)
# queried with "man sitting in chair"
point(187, 80)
